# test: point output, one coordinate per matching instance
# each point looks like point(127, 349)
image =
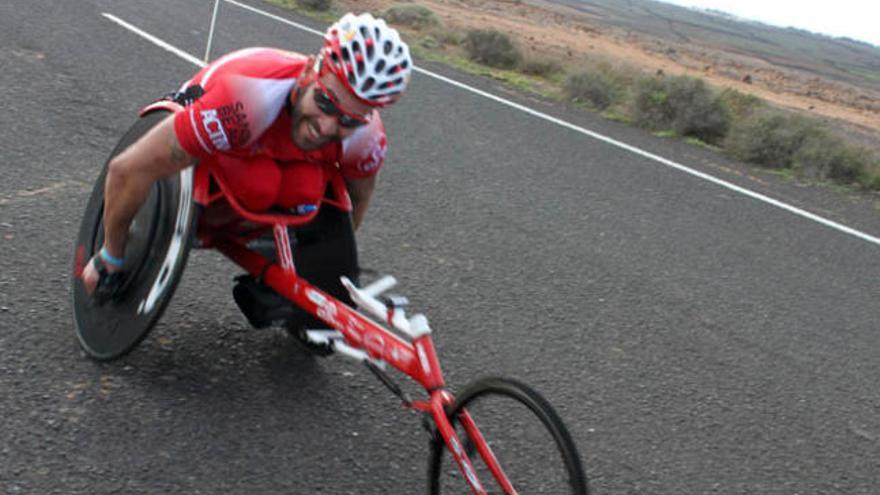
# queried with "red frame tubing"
point(359, 331)
point(486, 452)
point(439, 400)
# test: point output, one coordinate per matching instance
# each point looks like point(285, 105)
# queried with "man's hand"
point(91, 277)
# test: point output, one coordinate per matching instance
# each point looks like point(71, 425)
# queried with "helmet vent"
point(345, 54)
point(380, 65)
point(387, 47)
point(368, 84)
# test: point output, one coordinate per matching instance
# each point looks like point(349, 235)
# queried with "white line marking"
point(275, 17)
point(669, 163)
point(149, 37)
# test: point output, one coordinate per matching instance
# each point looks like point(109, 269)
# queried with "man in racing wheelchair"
point(277, 123)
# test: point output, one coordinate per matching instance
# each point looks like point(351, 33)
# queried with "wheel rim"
point(525, 444)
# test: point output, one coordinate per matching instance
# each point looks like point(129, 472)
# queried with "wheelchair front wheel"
point(521, 430)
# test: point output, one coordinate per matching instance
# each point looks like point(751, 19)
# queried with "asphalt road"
point(695, 340)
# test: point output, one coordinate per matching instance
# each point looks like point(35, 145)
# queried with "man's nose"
point(328, 125)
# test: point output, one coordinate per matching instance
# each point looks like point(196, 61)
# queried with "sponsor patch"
point(375, 158)
point(214, 128)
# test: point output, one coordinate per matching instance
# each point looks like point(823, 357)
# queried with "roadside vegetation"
point(740, 125)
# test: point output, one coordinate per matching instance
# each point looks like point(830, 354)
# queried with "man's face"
point(312, 127)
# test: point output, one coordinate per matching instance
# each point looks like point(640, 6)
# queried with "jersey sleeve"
point(217, 121)
point(363, 153)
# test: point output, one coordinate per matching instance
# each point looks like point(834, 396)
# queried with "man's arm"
point(130, 175)
point(360, 191)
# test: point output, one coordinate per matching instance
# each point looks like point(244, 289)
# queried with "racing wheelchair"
point(497, 434)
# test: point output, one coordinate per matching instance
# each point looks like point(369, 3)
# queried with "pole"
point(211, 32)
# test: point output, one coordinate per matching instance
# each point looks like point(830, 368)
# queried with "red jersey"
point(237, 106)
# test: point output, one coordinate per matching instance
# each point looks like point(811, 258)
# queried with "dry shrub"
point(492, 48)
point(683, 104)
point(540, 65)
point(593, 87)
point(823, 156)
point(741, 105)
point(316, 4)
point(769, 139)
point(651, 107)
point(411, 15)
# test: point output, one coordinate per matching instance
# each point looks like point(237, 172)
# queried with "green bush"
point(871, 178)
point(741, 105)
point(769, 139)
point(651, 107)
point(684, 105)
point(429, 42)
point(824, 156)
point(593, 87)
point(540, 66)
point(316, 4)
point(447, 36)
point(492, 48)
point(412, 15)
point(697, 111)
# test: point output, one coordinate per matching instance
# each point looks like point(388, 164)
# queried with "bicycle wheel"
point(525, 434)
point(155, 254)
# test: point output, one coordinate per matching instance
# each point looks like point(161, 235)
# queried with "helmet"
point(369, 57)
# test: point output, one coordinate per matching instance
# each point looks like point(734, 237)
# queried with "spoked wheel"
point(526, 436)
point(155, 254)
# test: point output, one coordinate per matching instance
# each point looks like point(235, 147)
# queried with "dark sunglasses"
point(327, 103)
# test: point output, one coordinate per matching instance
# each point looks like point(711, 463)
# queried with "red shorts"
point(260, 183)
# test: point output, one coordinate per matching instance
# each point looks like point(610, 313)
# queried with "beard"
point(300, 130)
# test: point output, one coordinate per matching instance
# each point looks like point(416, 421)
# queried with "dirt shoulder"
point(575, 36)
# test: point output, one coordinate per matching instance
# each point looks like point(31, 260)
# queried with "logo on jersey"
point(376, 156)
point(214, 128)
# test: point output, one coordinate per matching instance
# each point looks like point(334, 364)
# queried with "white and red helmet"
point(369, 57)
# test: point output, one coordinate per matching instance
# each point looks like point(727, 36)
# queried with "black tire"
point(155, 255)
point(531, 443)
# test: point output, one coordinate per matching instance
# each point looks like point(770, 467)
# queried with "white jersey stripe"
point(192, 120)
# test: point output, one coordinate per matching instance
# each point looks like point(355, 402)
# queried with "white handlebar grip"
point(380, 286)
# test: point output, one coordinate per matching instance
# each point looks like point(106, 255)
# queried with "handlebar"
point(414, 327)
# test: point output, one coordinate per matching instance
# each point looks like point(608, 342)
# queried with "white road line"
point(149, 37)
point(275, 17)
point(646, 154)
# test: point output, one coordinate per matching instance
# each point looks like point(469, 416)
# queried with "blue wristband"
point(117, 262)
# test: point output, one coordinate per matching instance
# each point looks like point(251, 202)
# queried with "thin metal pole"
point(211, 33)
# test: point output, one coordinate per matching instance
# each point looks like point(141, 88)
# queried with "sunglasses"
point(327, 103)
